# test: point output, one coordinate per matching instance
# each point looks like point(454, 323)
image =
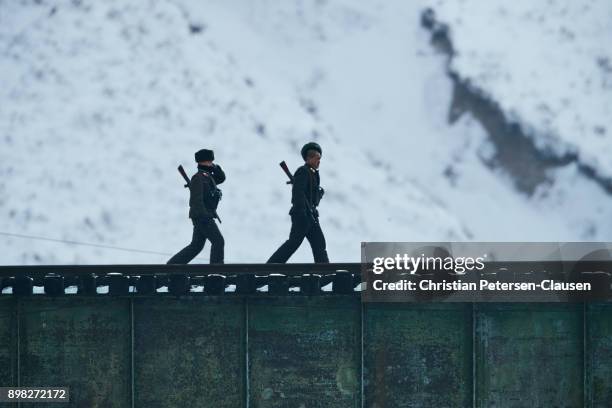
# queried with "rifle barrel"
point(182, 171)
point(287, 172)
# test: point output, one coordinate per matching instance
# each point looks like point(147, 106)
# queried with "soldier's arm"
point(298, 192)
point(218, 174)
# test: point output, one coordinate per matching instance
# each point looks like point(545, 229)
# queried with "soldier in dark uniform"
point(203, 199)
point(305, 196)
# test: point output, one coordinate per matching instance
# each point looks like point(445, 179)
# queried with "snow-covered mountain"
point(548, 64)
point(101, 100)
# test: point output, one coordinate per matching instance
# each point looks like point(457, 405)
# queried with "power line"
point(64, 241)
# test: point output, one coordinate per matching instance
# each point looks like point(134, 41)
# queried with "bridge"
point(295, 335)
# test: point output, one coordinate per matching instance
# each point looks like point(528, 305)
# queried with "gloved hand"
point(218, 174)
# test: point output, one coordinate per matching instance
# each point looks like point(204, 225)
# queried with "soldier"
point(203, 199)
point(305, 196)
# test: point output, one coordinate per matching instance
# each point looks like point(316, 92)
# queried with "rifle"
point(288, 173)
point(182, 171)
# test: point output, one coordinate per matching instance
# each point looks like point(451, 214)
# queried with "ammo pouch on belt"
point(212, 201)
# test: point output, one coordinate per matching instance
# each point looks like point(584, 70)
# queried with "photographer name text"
point(481, 285)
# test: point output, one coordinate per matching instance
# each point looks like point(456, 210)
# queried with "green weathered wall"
point(418, 355)
point(81, 344)
point(529, 353)
point(304, 352)
point(8, 342)
point(598, 355)
point(189, 352)
point(293, 351)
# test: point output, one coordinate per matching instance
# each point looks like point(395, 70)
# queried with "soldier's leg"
point(217, 243)
point(299, 227)
point(317, 243)
point(186, 254)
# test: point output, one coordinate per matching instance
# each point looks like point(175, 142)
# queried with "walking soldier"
point(305, 196)
point(204, 197)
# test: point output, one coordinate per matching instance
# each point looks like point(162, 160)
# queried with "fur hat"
point(204, 155)
point(310, 146)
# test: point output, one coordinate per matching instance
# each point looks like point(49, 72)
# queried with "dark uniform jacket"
point(201, 187)
point(306, 191)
